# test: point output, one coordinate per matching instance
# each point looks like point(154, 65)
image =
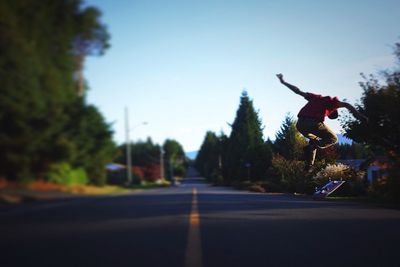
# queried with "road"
point(195, 224)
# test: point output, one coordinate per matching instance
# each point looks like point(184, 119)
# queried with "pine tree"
point(90, 140)
point(207, 160)
point(246, 154)
point(289, 142)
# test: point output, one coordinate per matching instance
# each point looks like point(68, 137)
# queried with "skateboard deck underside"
point(328, 189)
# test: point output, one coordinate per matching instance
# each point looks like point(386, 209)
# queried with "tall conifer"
point(289, 142)
point(247, 156)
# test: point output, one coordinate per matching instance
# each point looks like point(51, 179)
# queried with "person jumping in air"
point(311, 119)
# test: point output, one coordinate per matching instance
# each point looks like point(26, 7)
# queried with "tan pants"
point(319, 134)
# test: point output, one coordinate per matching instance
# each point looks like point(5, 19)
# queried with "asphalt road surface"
point(195, 224)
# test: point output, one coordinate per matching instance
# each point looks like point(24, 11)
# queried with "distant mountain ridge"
point(342, 140)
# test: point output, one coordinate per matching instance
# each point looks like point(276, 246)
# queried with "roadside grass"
point(42, 186)
point(94, 190)
point(87, 189)
point(11, 192)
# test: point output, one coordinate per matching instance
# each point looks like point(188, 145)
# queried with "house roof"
point(115, 167)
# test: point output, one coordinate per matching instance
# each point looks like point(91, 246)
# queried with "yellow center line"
point(193, 257)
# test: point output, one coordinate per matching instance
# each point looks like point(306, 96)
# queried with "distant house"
point(116, 174)
point(114, 167)
point(375, 169)
point(343, 140)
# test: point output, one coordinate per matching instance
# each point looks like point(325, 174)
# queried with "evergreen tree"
point(145, 160)
point(207, 160)
point(92, 39)
point(37, 65)
point(352, 151)
point(289, 142)
point(246, 155)
point(174, 158)
point(142, 153)
point(90, 141)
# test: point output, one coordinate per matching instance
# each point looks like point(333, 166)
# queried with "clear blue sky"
point(182, 65)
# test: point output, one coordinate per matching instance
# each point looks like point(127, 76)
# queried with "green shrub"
point(291, 175)
point(62, 173)
point(179, 170)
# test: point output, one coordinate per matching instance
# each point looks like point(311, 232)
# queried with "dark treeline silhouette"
point(352, 151)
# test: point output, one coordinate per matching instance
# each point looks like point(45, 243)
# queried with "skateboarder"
point(311, 118)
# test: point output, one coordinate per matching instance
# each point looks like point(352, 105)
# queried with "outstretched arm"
point(295, 89)
point(354, 111)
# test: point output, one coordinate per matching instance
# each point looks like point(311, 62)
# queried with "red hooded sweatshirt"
point(318, 106)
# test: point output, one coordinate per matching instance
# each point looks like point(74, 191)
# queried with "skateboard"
point(327, 189)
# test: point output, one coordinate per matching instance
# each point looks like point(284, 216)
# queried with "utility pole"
point(171, 171)
point(128, 146)
point(128, 149)
point(161, 163)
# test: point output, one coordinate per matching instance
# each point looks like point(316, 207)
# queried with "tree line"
point(151, 162)
point(245, 156)
point(48, 130)
point(47, 127)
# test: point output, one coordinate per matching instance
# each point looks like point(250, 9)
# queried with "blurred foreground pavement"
point(20, 195)
point(194, 224)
